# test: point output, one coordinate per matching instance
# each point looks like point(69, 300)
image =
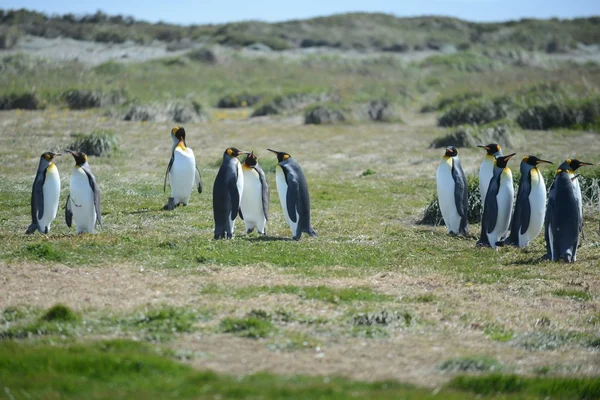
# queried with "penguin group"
point(83, 202)
point(506, 221)
point(242, 189)
point(239, 189)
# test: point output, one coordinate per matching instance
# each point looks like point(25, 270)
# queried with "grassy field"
point(377, 306)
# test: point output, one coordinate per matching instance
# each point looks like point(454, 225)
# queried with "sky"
point(188, 12)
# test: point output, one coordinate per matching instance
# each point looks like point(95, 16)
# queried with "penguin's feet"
point(249, 231)
point(170, 206)
point(482, 244)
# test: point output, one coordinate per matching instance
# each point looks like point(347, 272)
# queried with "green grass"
point(322, 293)
point(578, 295)
point(561, 388)
point(251, 327)
point(132, 370)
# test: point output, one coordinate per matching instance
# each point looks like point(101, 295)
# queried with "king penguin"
point(83, 202)
point(227, 193)
point(293, 195)
point(45, 194)
point(498, 204)
point(564, 214)
point(530, 208)
point(182, 172)
point(254, 208)
point(452, 192)
point(486, 170)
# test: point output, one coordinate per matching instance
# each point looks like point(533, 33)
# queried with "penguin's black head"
point(502, 161)
point(80, 157)
point(451, 151)
point(251, 160)
point(233, 152)
point(49, 156)
point(574, 163)
point(179, 133)
point(491, 148)
point(281, 155)
point(534, 161)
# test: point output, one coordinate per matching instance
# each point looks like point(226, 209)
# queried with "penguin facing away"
point(293, 195)
point(486, 170)
point(498, 204)
point(564, 215)
point(45, 194)
point(254, 208)
point(83, 202)
point(452, 193)
point(182, 172)
point(530, 208)
point(227, 193)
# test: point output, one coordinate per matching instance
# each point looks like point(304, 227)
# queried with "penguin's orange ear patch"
point(230, 152)
point(526, 158)
point(174, 130)
point(286, 156)
point(47, 157)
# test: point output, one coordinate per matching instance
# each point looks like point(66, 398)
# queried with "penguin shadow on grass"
point(266, 238)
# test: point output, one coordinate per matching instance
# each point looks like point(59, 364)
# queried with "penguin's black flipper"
point(547, 219)
point(490, 210)
point(461, 197)
point(240, 214)
point(235, 199)
point(266, 196)
point(96, 191)
point(37, 200)
point(68, 212)
point(197, 180)
point(292, 198)
point(168, 169)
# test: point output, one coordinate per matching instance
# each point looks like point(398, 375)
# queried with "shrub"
point(83, 99)
point(110, 36)
point(241, 100)
point(97, 143)
point(203, 55)
point(22, 101)
point(60, 313)
point(177, 111)
point(475, 112)
point(289, 102)
point(451, 101)
point(324, 114)
point(581, 114)
point(471, 136)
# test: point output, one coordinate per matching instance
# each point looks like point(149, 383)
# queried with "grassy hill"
point(359, 31)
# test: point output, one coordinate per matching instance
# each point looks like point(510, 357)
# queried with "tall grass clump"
point(562, 113)
point(476, 112)
point(97, 143)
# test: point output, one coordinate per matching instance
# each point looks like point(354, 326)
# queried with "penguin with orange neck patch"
point(498, 204)
point(83, 202)
point(182, 172)
point(293, 195)
point(45, 194)
point(254, 208)
point(227, 193)
point(530, 207)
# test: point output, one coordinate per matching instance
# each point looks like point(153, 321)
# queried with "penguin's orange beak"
point(581, 163)
point(544, 161)
point(508, 157)
point(483, 147)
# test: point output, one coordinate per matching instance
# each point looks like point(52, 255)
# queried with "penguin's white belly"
point(51, 190)
point(82, 201)
point(537, 206)
point(505, 199)
point(282, 191)
point(252, 207)
point(182, 175)
point(445, 188)
point(486, 171)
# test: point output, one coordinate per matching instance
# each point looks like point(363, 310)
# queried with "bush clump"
point(287, 103)
point(471, 136)
point(20, 101)
point(203, 55)
point(450, 101)
point(83, 99)
point(97, 143)
point(476, 112)
point(381, 110)
point(582, 114)
point(60, 313)
point(176, 111)
point(240, 100)
point(324, 114)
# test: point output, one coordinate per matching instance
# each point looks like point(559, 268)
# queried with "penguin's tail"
point(32, 228)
